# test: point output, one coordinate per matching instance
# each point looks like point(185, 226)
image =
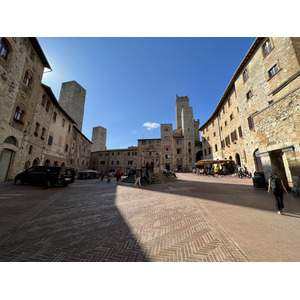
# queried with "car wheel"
point(18, 181)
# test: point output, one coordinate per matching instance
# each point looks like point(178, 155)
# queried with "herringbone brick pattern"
point(93, 221)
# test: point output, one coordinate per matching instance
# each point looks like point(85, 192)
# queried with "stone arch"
point(27, 165)
point(11, 140)
point(62, 164)
point(47, 163)
point(36, 162)
point(55, 163)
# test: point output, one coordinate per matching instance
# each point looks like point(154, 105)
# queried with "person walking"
point(277, 186)
point(137, 177)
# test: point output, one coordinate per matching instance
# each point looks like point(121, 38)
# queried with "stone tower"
point(99, 139)
point(180, 104)
point(72, 100)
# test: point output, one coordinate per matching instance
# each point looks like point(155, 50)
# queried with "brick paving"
point(197, 218)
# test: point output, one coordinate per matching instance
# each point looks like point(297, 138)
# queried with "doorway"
point(5, 159)
point(238, 159)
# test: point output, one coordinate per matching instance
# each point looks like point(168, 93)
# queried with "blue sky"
point(133, 81)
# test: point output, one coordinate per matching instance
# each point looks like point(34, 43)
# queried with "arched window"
point(43, 100)
point(43, 133)
point(28, 78)
point(11, 140)
point(4, 50)
point(27, 165)
point(47, 163)
point(48, 106)
point(37, 128)
point(55, 163)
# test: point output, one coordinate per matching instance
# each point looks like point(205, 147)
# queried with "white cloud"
point(150, 125)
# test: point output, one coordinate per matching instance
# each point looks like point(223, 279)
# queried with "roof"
point(237, 73)
point(37, 47)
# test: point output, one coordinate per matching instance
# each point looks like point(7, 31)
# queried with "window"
point(102, 162)
point(28, 78)
point(43, 133)
point(231, 117)
point(225, 123)
point(30, 149)
point(222, 144)
point(245, 75)
point(205, 153)
point(227, 140)
point(216, 147)
point(37, 128)
point(233, 136)
point(50, 140)
point(47, 106)
point(69, 129)
point(149, 142)
point(240, 131)
point(19, 115)
point(112, 162)
point(128, 153)
point(63, 122)
point(274, 70)
point(267, 48)
point(118, 162)
point(250, 123)
point(66, 147)
point(43, 100)
point(209, 150)
point(214, 134)
point(130, 162)
point(249, 95)
point(167, 156)
point(54, 116)
point(178, 151)
point(144, 142)
point(73, 145)
point(3, 49)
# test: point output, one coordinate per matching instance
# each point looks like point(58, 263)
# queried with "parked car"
point(40, 175)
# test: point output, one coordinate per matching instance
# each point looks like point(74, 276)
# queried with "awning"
point(211, 161)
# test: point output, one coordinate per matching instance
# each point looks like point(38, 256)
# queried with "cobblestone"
point(195, 219)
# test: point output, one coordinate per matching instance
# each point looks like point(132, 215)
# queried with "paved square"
point(196, 219)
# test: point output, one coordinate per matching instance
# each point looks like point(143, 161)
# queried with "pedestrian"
point(137, 177)
point(277, 186)
point(216, 170)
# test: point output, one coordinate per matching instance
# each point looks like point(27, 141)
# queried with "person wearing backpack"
point(277, 186)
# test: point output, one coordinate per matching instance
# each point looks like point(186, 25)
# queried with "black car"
point(46, 176)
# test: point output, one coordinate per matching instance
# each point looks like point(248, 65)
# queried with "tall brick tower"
point(72, 100)
point(99, 139)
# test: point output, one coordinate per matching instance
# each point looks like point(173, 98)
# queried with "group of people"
point(168, 172)
point(141, 178)
point(243, 172)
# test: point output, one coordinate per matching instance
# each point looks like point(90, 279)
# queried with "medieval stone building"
point(34, 128)
point(257, 121)
point(176, 148)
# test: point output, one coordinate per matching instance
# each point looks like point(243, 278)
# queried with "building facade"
point(257, 121)
point(34, 128)
point(176, 148)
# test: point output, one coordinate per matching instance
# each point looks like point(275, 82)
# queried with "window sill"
point(19, 121)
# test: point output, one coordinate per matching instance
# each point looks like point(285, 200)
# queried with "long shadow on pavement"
point(77, 223)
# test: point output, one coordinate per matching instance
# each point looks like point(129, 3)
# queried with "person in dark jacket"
point(277, 187)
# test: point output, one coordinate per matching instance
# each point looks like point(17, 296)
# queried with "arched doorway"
point(36, 162)
point(237, 159)
point(47, 163)
point(5, 159)
point(257, 161)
